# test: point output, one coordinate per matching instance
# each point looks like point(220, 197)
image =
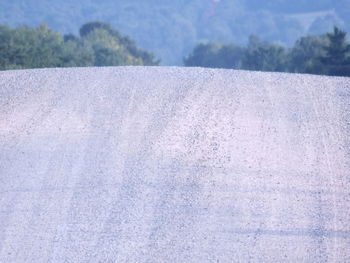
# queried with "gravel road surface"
point(152, 164)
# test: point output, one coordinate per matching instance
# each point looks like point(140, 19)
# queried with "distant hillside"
point(171, 29)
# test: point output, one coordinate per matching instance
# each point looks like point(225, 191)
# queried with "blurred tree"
point(70, 37)
point(264, 56)
point(107, 50)
point(99, 45)
point(216, 56)
point(75, 54)
point(172, 28)
point(6, 49)
point(327, 54)
point(230, 56)
point(336, 60)
point(30, 48)
point(203, 55)
point(91, 26)
point(303, 57)
point(141, 57)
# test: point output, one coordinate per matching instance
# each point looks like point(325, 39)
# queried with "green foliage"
point(264, 56)
point(26, 47)
point(303, 57)
point(215, 55)
point(121, 49)
point(327, 54)
point(87, 28)
point(336, 61)
point(170, 29)
point(259, 55)
point(99, 44)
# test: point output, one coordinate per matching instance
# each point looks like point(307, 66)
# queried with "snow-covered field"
point(136, 164)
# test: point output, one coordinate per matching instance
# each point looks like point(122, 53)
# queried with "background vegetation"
point(327, 54)
point(97, 45)
point(170, 29)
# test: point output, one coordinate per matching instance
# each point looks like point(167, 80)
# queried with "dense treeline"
point(170, 28)
point(98, 45)
point(327, 54)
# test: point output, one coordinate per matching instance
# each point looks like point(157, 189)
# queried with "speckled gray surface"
point(173, 165)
